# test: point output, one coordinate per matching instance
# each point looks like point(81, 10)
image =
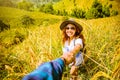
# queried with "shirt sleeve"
point(79, 41)
point(65, 49)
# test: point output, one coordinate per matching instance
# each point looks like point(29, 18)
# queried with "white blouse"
point(68, 47)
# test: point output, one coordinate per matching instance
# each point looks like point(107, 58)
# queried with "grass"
point(43, 43)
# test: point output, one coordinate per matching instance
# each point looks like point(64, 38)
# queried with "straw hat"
point(63, 24)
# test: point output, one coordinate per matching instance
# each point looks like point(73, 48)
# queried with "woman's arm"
point(78, 45)
point(76, 49)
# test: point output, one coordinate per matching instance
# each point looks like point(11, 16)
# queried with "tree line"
point(97, 10)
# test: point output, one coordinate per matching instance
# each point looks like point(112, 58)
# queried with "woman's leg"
point(75, 67)
point(74, 72)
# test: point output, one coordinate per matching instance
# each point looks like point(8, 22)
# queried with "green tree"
point(105, 11)
point(25, 5)
point(114, 13)
point(3, 26)
point(98, 11)
point(79, 13)
point(92, 13)
point(47, 8)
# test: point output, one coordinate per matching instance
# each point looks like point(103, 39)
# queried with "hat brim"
point(63, 24)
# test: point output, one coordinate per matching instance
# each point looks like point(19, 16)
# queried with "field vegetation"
point(34, 37)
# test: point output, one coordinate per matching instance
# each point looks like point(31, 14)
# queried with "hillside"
point(12, 3)
point(83, 4)
point(14, 12)
point(13, 16)
point(24, 47)
point(6, 3)
point(68, 4)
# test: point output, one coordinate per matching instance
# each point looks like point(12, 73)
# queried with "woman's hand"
point(68, 58)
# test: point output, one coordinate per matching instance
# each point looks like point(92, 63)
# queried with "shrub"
point(79, 13)
point(3, 72)
point(95, 10)
point(47, 8)
point(98, 10)
point(92, 13)
point(105, 11)
point(11, 65)
point(96, 4)
point(18, 37)
point(114, 13)
point(3, 26)
point(26, 20)
point(110, 5)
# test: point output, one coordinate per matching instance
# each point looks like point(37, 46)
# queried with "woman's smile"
point(70, 30)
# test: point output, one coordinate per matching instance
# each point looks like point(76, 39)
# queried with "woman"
point(73, 42)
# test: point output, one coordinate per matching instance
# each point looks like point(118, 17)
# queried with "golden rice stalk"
point(9, 69)
point(116, 56)
point(116, 71)
point(32, 55)
point(85, 57)
point(100, 73)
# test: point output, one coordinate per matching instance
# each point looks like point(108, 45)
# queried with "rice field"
point(43, 43)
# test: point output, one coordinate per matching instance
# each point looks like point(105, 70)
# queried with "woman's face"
point(70, 30)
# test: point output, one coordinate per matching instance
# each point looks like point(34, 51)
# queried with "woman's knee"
point(74, 70)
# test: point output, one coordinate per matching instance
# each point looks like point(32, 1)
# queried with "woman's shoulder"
point(78, 41)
